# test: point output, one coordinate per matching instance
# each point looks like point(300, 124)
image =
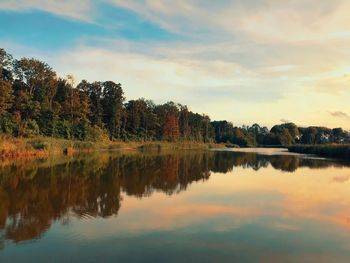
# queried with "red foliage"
point(171, 127)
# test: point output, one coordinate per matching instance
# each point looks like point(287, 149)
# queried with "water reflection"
point(32, 197)
point(35, 194)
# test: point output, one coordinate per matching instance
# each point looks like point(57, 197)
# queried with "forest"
point(35, 101)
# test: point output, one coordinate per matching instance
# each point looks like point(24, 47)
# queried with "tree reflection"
point(35, 194)
point(33, 197)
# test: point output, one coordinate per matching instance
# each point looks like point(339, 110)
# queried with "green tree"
point(112, 102)
point(36, 75)
point(6, 96)
point(94, 93)
point(184, 118)
point(5, 65)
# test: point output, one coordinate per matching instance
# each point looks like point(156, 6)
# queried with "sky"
point(245, 61)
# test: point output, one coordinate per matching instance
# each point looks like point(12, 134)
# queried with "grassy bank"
point(43, 146)
point(330, 151)
point(40, 146)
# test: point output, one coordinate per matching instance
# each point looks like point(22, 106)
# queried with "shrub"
point(46, 123)
point(7, 124)
point(332, 151)
point(38, 145)
point(31, 128)
point(62, 129)
point(95, 133)
point(79, 130)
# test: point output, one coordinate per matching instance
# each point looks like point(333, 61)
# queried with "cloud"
point(299, 41)
point(265, 20)
point(240, 60)
point(202, 77)
point(74, 9)
point(285, 120)
point(340, 114)
point(152, 71)
point(296, 21)
point(334, 84)
point(146, 73)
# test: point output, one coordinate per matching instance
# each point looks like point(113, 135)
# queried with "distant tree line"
point(35, 101)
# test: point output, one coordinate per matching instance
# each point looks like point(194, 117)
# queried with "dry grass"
point(43, 146)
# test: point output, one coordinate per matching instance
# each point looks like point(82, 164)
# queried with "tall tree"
point(6, 63)
point(94, 93)
point(184, 125)
point(168, 119)
point(36, 75)
point(6, 96)
point(112, 102)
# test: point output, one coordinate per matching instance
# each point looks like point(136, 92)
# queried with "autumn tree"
point(168, 119)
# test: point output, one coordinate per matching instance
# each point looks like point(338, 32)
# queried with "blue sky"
point(49, 31)
point(262, 61)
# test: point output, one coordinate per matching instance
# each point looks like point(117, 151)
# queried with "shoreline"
point(41, 147)
point(336, 151)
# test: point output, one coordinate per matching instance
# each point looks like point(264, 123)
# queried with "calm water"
point(176, 207)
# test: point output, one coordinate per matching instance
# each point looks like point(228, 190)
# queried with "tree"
point(291, 127)
point(139, 119)
point(171, 127)
point(309, 135)
point(94, 93)
point(24, 104)
point(7, 124)
point(339, 135)
point(256, 129)
point(5, 96)
point(36, 87)
point(184, 125)
point(287, 133)
point(112, 102)
point(33, 100)
point(168, 121)
point(242, 138)
point(196, 126)
point(285, 137)
point(207, 129)
point(270, 139)
point(223, 131)
point(5, 65)
point(35, 74)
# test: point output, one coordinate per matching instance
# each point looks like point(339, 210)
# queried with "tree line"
point(34, 101)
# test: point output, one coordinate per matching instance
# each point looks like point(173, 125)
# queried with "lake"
point(261, 205)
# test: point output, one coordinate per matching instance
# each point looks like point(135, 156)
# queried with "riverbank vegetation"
point(330, 151)
point(36, 103)
point(43, 146)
